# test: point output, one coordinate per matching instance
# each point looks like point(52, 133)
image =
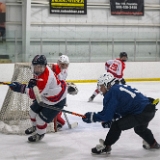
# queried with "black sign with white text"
point(127, 7)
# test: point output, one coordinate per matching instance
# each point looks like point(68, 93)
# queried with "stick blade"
point(74, 125)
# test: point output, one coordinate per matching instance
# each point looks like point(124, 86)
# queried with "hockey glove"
point(18, 87)
point(123, 81)
point(153, 101)
point(156, 101)
point(116, 117)
point(107, 124)
point(72, 88)
point(32, 83)
point(89, 117)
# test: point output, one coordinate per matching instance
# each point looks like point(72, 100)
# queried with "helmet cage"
point(63, 59)
point(37, 69)
point(107, 79)
point(63, 62)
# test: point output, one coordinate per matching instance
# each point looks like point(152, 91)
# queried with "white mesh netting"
point(14, 117)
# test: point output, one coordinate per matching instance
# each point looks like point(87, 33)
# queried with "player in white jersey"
point(53, 92)
point(61, 70)
point(116, 67)
point(61, 67)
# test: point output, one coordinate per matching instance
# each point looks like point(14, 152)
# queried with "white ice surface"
point(76, 144)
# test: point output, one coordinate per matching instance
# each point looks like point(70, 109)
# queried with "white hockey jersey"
point(52, 90)
point(61, 74)
point(116, 67)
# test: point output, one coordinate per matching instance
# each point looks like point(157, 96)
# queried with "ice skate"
point(101, 148)
point(35, 138)
point(59, 126)
point(91, 98)
point(30, 130)
point(154, 146)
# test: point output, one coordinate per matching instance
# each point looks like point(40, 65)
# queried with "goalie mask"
point(38, 66)
point(106, 79)
point(63, 62)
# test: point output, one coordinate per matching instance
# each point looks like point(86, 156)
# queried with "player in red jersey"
point(52, 90)
point(116, 67)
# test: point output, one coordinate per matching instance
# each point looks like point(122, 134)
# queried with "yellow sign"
point(68, 6)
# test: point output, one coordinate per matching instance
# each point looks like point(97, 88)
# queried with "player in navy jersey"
point(124, 108)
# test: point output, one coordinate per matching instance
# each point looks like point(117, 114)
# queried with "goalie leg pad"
point(60, 119)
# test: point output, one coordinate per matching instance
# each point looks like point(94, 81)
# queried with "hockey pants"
point(138, 122)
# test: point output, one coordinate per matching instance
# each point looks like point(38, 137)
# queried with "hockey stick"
point(10, 83)
point(5, 83)
point(41, 103)
point(55, 124)
point(70, 125)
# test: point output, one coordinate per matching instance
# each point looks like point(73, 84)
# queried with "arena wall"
point(89, 72)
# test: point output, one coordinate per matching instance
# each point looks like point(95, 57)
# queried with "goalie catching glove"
point(72, 88)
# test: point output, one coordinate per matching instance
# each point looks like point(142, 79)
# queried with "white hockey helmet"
point(63, 59)
point(63, 62)
point(106, 79)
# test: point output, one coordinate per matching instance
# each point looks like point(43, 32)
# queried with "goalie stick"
point(41, 103)
point(70, 125)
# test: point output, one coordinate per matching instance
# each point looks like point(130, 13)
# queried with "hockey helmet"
point(123, 56)
point(39, 59)
point(106, 79)
point(63, 61)
point(38, 66)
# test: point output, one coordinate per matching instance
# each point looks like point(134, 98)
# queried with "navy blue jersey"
point(121, 99)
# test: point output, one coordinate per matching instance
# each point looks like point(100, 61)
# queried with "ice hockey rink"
point(76, 144)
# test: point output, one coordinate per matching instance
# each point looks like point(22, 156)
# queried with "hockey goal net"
point(14, 117)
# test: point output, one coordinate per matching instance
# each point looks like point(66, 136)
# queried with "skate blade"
point(104, 154)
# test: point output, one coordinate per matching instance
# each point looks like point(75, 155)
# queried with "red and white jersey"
point(61, 74)
point(116, 67)
point(52, 90)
